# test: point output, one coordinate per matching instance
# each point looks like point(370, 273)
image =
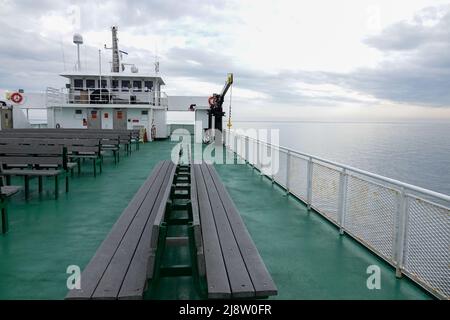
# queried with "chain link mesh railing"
point(427, 250)
point(397, 221)
point(370, 215)
point(325, 190)
point(298, 172)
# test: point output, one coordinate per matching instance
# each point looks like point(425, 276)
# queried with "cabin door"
point(120, 119)
point(94, 119)
point(6, 115)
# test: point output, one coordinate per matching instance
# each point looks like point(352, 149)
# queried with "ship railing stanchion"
point(342, 204)
point(288, 169)
point(257, 153)
point(272, 151)
point(246, 157)
point(400, 231)
point(235, 148)
point(309, 183)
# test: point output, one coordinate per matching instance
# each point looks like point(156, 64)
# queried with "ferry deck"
point(304, 253)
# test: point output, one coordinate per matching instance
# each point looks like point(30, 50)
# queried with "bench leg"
point(56, 187)
point(4, 219)
point(8, 180)
point(40, 184)
point(67, 182)
point(159, 252)
point(95, 167)
point(27, 186)
point(100, 165)
point(194, 257)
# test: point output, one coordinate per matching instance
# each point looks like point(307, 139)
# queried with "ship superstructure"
point(118, 99)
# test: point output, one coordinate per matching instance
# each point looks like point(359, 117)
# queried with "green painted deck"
point(305, 254)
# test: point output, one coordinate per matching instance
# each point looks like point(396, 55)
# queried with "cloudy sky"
point(368, 60)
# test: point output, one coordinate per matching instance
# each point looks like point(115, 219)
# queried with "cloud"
point(201, 41)
point(416, 68)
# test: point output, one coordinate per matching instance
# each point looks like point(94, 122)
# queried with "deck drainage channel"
point(176, 230)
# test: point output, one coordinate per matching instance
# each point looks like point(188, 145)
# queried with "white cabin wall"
point(50, 118)
point(107, 118)
point(133, 114)
point(138, 120)
point(182, 103)
point(160, 121)
point(201, 117)
point(67, 118)
point(19, 118)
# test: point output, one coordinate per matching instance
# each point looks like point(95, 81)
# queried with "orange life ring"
point(16, 97)
point(211, 101)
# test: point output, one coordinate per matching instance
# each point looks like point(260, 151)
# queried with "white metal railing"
point(53, 97)
point(106, 96)
point(407, 226)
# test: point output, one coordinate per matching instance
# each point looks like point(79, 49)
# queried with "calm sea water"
point(415, 153)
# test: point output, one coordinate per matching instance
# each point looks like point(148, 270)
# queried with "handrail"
point(405, 185)
point(391, 218)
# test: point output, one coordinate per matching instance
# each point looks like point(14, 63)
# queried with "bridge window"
point(137, 86)
point(78, 84)
point(115, 85)
point(148, 85)
point(125, 85)
point(104, 84)
point(90, 84)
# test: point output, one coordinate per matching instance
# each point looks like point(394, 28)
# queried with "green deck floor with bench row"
point(305, 254)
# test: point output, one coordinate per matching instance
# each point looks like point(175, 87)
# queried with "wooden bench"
point(77, 149)
point(5, 193)
point(124, 262)
point(126, 137)
point(30, 161)
point(135, 138)
point(230, 260)
point(110, 141)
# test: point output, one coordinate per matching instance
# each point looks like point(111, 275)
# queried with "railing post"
point(288, 169)
point(309, 183)
point(272, 176)
point(342, 205)
point(403, 207)
point(235, 147)
point(257, 154)
point(247, 157)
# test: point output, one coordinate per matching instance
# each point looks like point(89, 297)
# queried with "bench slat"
point(30, 149)
point(142, 265)
point(34, 141)
point(110, 283)
point(217, 279)
point(96, 267)
point(261, 279)
point(240, 282)
point(31, 172)
point(196, 224)
point(31, 160)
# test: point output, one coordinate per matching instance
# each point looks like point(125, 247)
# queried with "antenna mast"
point(115, 50)
point(78, 39)
point(116, 53)
point(156, 60)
